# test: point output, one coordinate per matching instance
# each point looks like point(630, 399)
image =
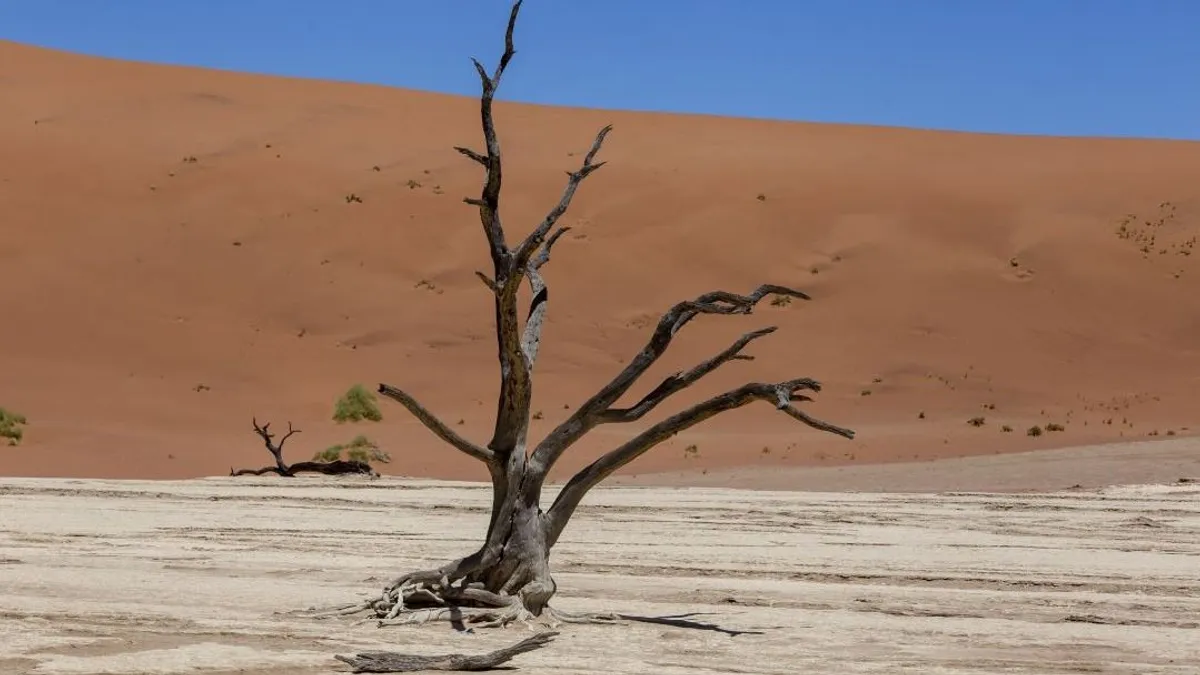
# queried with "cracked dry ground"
point(200, 576)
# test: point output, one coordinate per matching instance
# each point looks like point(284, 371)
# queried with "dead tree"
point(508, 578)
point(336, 468)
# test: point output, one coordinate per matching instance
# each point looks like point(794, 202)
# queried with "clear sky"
point(1062, 67)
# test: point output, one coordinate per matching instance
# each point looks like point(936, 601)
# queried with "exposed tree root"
point(393, 662)
point(420, 597)
point(415, 599)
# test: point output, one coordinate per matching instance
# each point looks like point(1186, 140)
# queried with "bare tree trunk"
point(508, 578)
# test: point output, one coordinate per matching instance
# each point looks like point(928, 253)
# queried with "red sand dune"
point(949, 271)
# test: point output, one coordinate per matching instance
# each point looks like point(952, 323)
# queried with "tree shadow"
point(685, 621)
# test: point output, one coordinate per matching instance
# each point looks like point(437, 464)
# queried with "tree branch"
point(276, 450)
point(532, 337)
point(439, 428)
point(543, 256)
point(592, 412)
point(518, 348)
point(538, 236)
point(679, 381)
point(781, 395)
point(487, 281)
point(513, 402)
point(482, 159)
point(489, 200)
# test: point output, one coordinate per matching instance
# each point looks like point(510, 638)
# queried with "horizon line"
point(600, 109)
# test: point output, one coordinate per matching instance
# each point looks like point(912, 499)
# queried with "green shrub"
point(360, 449)
point(356, 405)
point(10, 426)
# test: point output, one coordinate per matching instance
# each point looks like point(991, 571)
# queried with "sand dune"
point(127, 577)
point(178, 254)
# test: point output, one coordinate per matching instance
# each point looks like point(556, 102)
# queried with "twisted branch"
point(782, 395)
point(276, 450)
point(489, 199)
point(538, 236)
point(598, 409)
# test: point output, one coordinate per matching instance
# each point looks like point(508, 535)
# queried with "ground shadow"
point(685, 621)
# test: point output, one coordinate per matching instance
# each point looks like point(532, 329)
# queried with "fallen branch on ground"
point(338, 467)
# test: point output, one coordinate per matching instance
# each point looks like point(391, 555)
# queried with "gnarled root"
point(416, 603)
point(414, 599)
point(419, 598)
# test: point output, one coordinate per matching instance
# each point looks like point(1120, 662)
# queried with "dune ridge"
point(181, 251)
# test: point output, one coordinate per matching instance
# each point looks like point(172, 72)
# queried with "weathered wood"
point(339, 467)
point(438, 427)
point(596, 410)
point(395, 662)
point(782, 395)
point(532, 337)
point(268, 438)
point(536, 238)
point(508, 578)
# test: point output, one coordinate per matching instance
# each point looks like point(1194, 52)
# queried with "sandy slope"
point(1110, 464)
point(198, 576)
point(152, 305)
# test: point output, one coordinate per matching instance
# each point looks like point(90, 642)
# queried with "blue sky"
point(1061, 67)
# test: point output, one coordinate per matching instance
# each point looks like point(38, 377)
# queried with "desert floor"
point(205, 576)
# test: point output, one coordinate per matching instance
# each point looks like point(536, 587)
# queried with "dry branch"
point(340, 467)
point(438, 427)
point(680, 381)
point(532, 337)
point(489, 199)
point(538, 236)
point(598, 409)
point(394, 662)
point(276, 450)
point(782, 395)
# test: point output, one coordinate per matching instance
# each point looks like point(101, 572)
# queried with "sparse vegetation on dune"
point(11, 426)
point(357, 405)
point(359, 449)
